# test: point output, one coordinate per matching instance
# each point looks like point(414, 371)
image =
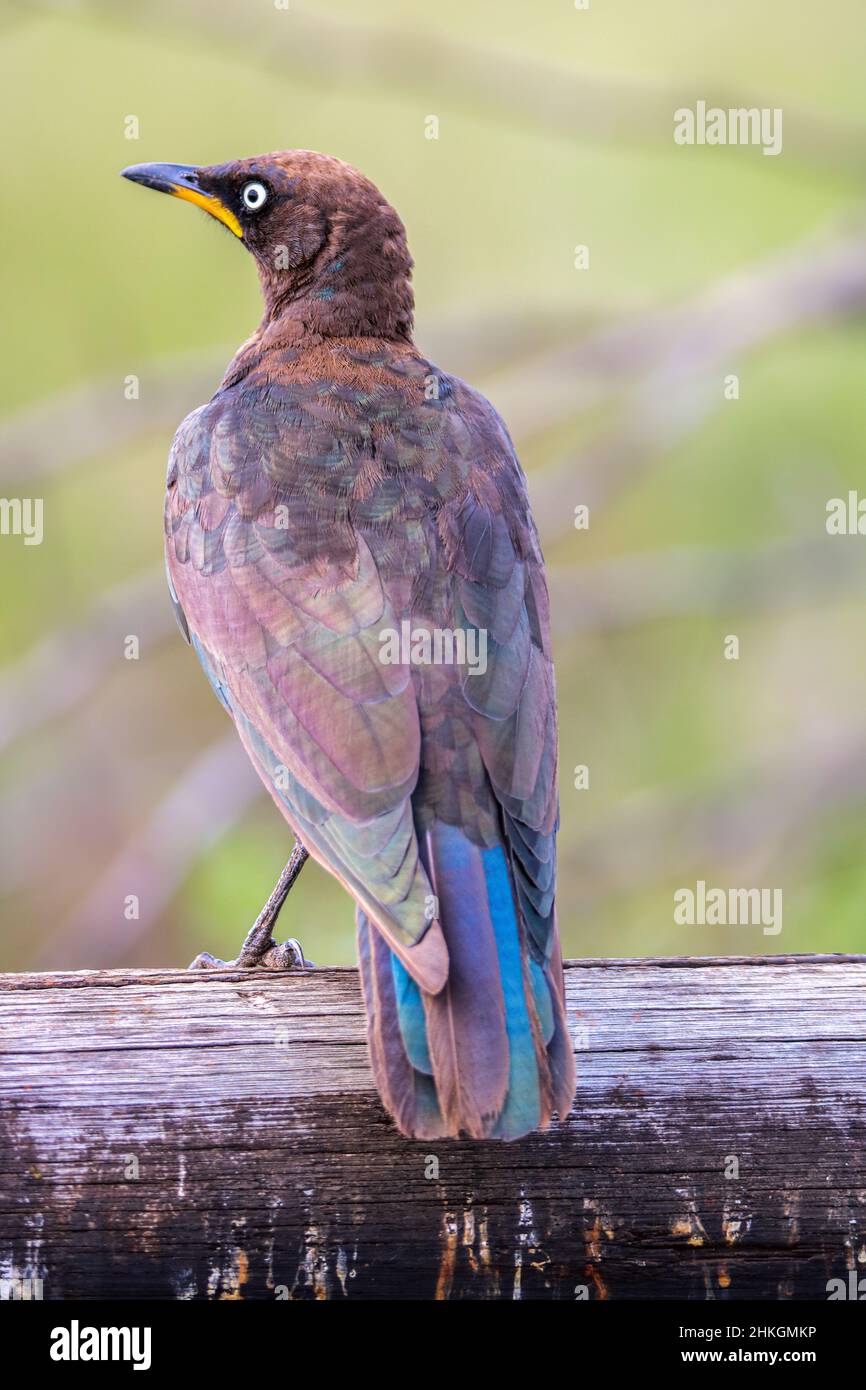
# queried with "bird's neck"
point(300, 322)
point(282, 353)
point(355, 282)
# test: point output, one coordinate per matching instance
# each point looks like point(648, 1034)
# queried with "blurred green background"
point(707, 515)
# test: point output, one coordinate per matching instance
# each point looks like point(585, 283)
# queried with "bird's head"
point(331, 252)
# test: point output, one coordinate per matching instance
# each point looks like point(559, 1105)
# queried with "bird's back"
point(350, 543)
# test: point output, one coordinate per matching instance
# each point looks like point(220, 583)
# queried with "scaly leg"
point(259, 948)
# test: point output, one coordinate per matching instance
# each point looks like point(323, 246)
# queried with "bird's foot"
point(287, 955)
point(260, 951)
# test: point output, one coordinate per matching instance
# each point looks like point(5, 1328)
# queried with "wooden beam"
point(217, 1136)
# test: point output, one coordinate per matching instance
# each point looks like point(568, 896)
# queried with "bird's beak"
point(182, 181)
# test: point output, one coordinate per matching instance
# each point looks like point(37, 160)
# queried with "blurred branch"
point(210, 798)
point(742, 827)
point(31, 694)
point(680, 357)
point(627, 590)
point(53, 435)
point(818, 280)
point(656, 420)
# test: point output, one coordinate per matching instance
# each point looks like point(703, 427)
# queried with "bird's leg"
point(259, 948)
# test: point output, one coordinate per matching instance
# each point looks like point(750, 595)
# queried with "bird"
point(351, 552)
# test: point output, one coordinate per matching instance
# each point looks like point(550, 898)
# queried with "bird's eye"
point(254, 196)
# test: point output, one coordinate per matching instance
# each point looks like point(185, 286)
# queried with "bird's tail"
point(490, 1055)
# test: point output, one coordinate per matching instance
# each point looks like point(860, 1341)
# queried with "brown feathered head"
point(331, 252)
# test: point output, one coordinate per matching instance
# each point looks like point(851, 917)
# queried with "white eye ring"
point(254, 196)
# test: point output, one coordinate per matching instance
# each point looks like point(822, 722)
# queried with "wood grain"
point(166, 1135)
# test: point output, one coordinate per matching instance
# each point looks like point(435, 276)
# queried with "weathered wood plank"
point(172, 1135)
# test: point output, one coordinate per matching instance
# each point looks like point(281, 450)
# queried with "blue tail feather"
point(522, 1110)
point(410, 1010)
point(542, 999)
point(529, 1016)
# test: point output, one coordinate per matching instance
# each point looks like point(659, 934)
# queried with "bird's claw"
point(287, 955)
point(205, 961)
